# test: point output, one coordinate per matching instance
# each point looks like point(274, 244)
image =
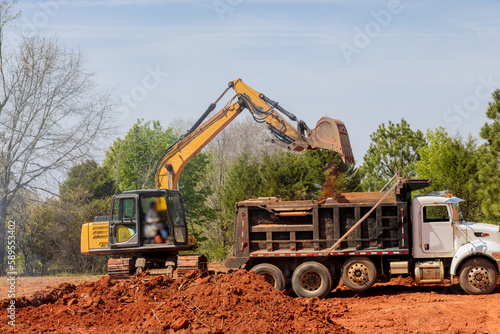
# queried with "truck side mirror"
point(456, 214)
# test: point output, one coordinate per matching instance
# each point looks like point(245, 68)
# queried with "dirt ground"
point(241, 302)
point(26, 286)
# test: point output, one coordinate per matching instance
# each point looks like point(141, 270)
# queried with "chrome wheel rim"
point(358, 273)
point(478, 277)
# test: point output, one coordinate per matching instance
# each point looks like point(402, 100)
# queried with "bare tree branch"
point(51, 115)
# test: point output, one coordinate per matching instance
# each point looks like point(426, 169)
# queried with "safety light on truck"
point(497, 255)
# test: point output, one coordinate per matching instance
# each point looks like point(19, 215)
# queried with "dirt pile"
point(241, 302)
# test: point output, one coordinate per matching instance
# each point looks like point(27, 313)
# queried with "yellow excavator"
point(134, 214)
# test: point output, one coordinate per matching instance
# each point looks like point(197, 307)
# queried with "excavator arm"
point(329, 133)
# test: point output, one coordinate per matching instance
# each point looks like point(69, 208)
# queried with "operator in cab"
point(154, 230)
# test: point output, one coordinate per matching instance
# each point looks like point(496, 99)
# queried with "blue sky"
point(363, 62)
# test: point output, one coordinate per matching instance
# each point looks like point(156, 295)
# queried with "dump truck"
point(125, 233)
point(363, 237)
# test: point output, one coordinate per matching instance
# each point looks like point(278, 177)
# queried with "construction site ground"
point(239, 302)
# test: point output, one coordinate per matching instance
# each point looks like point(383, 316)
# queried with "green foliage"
point(48, 237)
point(289, 175)
point(242, 180)
point(194, 191)
point(394, 146)
point(90, 177)
point(134, 158)
point(489, 173)
point(452, 164)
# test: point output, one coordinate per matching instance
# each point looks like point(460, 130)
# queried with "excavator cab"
point(124, 231)
point(128, 223)
point(124, 234)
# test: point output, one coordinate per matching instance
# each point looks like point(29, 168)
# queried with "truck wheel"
point(478, 276)
point(311, 279)
point(359, 273)
point(272, 274)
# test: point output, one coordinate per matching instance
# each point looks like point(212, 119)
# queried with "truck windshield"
point(460, 214)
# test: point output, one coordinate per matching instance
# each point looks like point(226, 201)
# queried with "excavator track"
point(123, 268)
point(189, 263)
point(120, 268)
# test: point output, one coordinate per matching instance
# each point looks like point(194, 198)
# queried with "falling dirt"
point(242, 302)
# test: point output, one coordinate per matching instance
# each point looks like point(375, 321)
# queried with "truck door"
point(177, 218)
point(437, 229)
point(124, 222)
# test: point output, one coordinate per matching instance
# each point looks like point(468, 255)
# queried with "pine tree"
point(489, 174)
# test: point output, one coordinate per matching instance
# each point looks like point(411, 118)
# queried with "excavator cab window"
point(123, 224)
point(176, 213)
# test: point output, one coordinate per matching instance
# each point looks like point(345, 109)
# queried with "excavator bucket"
point(331, 134)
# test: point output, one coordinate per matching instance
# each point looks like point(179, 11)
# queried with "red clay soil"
point(28, 285)
point(240, 302)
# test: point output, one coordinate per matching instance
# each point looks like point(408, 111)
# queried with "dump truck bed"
point(270, 227)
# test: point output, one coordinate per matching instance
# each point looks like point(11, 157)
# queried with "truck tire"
point(478, 276)
point(311, 279)
point(272, 274)
point(359, 273)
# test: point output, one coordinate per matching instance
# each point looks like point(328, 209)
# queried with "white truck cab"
point(444, 242)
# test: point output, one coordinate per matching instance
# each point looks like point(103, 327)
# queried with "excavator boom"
point(330, 134)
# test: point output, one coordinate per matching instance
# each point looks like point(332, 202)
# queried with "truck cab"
point(444, 242)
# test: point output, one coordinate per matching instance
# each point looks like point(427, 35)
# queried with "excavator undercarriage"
point(172, 266)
